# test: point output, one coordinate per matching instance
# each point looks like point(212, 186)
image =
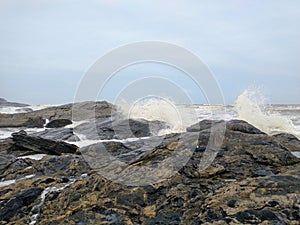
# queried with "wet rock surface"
point(252, 179)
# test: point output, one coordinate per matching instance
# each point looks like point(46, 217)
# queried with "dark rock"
point(242, 126)
point(15, 170)
point(58, 123)
point(262, 173)
point(62, 166)
point(203, 125)
point(273, 203)
point(240, 155)
point(5, 161)
point(6, 145)
point(119, 129)
point(47, 181)
point(41, 145)
point(256, 216)
point(14, 205)
point(231, 203)
point(288, 140)
point(58, 134)
point(233, 125)
point(52, 196)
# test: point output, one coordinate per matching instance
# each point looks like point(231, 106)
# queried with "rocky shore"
point(45, 177)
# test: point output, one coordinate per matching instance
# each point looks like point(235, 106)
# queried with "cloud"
point(250, 38)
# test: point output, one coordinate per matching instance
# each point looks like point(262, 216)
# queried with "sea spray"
point(179, 117)
point(251, 107)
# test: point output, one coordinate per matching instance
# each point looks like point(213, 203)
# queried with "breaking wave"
point(178, 117)
point(250, 106)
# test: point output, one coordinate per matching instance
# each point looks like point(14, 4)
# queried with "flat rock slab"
point(57, 134)
point(41, 145)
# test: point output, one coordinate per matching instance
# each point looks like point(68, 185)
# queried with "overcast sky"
point(47, 46)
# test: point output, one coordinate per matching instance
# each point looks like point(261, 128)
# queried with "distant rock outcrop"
point(5, 103)
point(76, 111)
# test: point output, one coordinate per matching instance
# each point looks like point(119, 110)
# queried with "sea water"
point(249, 106)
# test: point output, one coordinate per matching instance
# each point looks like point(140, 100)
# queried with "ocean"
point(269, 118)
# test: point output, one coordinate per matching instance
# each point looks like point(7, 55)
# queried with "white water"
point(6, 132)
point(11, 110)
point(151, 108)
point(297, 154)
point(34, 157)
point(10, 182)
point(250, 107)
point(85, 142)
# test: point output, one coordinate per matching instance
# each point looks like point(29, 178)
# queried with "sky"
point(48, 46)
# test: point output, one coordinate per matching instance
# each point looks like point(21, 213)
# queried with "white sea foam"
point(85, 142)
point(250, 107)
point(6, 132)
point(7, 183)
point(39, 107)
point(35, 156)
point(10, 182)
point(297, 154)
point(177, 116)
point(12, 109)
point(25, 109)
point(76, 123)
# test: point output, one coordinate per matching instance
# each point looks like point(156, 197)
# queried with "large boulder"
point(110, 128)
point(58, 123)
point(234, 125)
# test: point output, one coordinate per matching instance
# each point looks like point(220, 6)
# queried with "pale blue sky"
point(46, 46)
